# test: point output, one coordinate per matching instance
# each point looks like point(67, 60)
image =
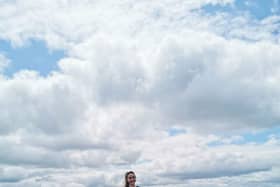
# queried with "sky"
point(183, 92)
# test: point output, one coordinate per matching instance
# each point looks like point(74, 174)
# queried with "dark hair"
point(125, 178)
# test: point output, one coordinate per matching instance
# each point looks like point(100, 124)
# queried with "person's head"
point(130, 178)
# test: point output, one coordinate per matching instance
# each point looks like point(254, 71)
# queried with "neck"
point(132, 185)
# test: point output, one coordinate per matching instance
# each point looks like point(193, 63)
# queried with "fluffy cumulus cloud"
point(160, 87)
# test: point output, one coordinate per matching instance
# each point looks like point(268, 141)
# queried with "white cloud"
point(12, 174)
point(30, 102)
point(190, 80)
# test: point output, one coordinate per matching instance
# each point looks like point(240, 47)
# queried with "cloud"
point(12, 175)
point(29, 102)
point(198, 161)
point(189, 80)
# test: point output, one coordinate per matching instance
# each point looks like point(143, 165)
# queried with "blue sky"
point(259, 9)
point(33, 55)
point(192, 102)
point(258, 137)
point(262, 136)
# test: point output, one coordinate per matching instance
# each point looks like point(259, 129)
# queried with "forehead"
point(130, 175)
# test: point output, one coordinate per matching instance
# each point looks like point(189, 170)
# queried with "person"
point(130, 179)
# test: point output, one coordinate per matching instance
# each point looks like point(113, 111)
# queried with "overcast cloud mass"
point(184, 92)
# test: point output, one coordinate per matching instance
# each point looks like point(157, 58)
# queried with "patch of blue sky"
point(34, 55)
point(258, 9)
point(176, 131)
point(262, 136)
point(259, 137)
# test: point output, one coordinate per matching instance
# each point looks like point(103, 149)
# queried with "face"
point(131, 178)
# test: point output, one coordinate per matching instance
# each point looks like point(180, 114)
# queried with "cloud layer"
point(132, 72)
